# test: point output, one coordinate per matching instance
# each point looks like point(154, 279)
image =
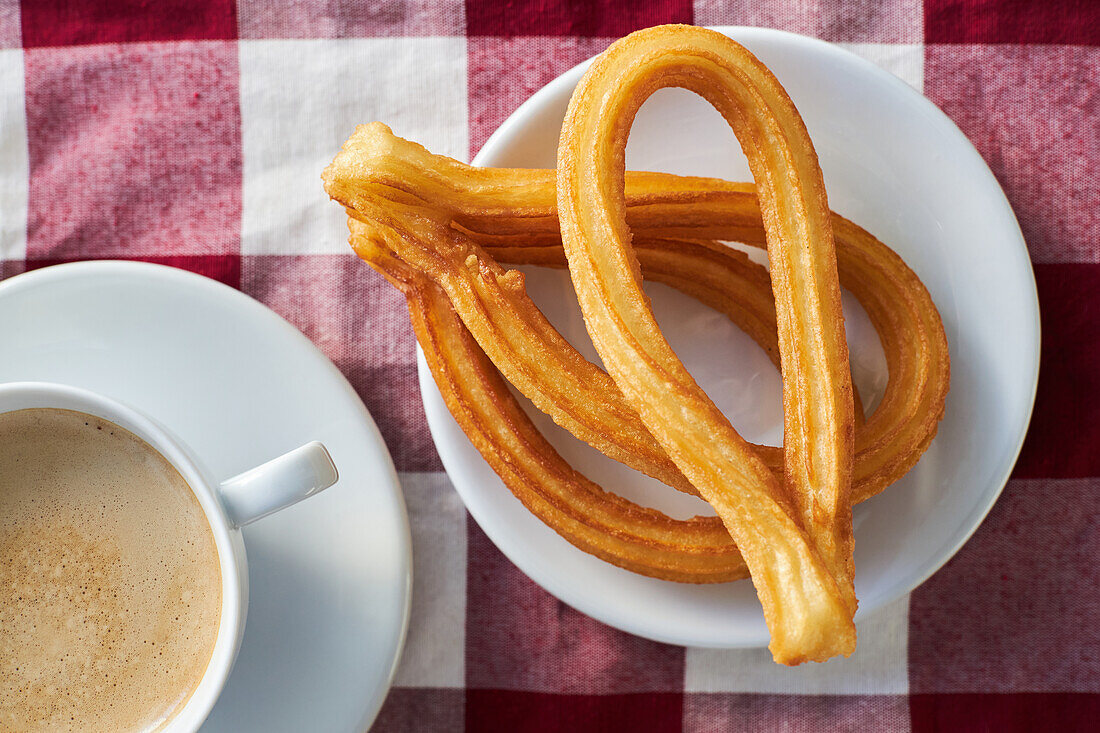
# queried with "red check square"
point(1065, 426)
point(122, 21)
point(11, 268)
point(135, 150)
point(415, 709)
point(350, 18)
point(570, 17)
point(1032, 112)
point(519, 637)
point(10, 32)
point(851, 21)
point(540, 712)
point(1016, 610)
point(719, 712)
point(1012, 21)
point(1018, 712)
point(223, 268)
point(504, 72)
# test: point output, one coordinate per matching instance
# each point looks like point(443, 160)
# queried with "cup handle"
point(277, 484)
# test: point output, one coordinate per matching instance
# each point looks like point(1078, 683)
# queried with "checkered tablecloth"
point(193, 133)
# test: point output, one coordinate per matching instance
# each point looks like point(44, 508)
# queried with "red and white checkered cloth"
point(193, 133)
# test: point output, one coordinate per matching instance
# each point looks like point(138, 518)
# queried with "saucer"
point(896, 165)
point(330, 578)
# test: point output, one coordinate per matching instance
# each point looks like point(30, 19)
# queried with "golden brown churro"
point(796, 538)
point(436, 228)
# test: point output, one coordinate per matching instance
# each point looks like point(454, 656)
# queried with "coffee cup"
point(225, 505)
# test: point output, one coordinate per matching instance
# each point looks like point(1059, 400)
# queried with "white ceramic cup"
point(228, 506)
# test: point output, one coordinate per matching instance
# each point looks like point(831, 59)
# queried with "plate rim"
point(517, 121)
point(237, 299)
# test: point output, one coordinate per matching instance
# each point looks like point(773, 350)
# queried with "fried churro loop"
point(797, 538)
point(436, 229)
point(382, 173)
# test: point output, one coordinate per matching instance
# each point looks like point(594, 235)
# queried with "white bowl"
point(900, 168)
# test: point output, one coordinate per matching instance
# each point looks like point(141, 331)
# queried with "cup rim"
point(33, 394)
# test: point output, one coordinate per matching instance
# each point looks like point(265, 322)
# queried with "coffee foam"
point(110, 585)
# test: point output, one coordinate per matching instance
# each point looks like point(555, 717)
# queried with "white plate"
point(896, 165)
point(330, 577)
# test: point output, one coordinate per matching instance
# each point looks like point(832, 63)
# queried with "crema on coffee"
point(110, 585)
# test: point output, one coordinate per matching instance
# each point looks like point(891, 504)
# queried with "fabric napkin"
point(193, 133)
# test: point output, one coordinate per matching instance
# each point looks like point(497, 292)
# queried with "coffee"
point(110, 585)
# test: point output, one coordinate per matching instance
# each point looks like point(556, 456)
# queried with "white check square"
point(435, 649)
point(15, 183)
point(879, 665)
point(301, 99)
point(903, 60)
